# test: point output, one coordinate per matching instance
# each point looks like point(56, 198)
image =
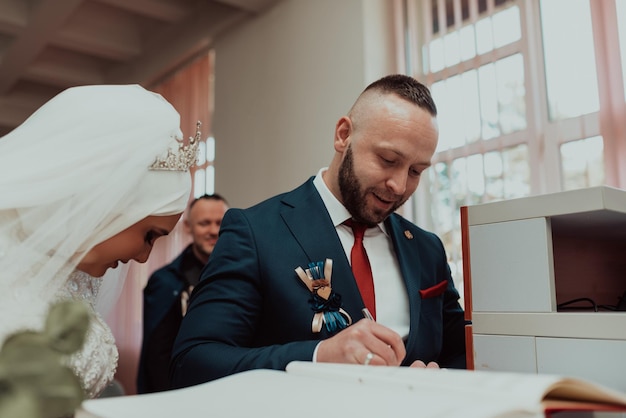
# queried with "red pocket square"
point(435, 290)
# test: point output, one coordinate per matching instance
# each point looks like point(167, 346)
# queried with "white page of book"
point(280, 394)
point(524, 388)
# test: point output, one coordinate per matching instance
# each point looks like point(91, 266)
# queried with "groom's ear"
point(343, 132)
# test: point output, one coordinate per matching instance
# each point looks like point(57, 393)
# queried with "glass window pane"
point(452, 48)
point(621, 24)
point(449, 113)
point(458, 110)
point(475, 179)
point(569, 58)
point(517, 177)
point(494, 186)
point(435, 55)
point(511, 93)
point(484, 36)
point(488, 101)
point(199, 183)
point(468, 42)
point(453, 113)
point(210, 149)
point(582, 163)
point(506, 27)
point(210, 179)
point(471, 105)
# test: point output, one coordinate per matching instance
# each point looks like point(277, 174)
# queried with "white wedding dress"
point(96, 363)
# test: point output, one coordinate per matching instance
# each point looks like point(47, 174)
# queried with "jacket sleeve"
point(453, 354)
point(219, 333)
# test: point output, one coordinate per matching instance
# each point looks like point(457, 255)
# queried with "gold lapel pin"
point(408, 234)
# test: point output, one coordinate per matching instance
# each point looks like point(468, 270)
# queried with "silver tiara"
point(183, 158)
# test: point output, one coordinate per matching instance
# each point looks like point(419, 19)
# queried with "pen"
point(367, 314)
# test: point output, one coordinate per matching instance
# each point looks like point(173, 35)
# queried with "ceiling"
point(49, 45)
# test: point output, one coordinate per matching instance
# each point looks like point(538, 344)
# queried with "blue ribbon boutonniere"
point(325, 302)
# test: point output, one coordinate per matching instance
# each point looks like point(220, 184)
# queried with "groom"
point(279, 286)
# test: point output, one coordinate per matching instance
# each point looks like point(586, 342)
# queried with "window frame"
point(543, 136)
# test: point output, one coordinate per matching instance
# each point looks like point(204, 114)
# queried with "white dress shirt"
point(392, 302)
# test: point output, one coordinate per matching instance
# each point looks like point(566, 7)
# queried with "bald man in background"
point(168, 289)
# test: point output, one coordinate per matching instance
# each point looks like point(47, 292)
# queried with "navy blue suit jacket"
point(162, 314)
point(251, 311)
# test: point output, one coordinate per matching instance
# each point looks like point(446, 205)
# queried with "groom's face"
point(385, 153)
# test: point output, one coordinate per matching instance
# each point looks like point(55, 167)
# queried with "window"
point(204, 176)
point(191, 91)
point(527, 101)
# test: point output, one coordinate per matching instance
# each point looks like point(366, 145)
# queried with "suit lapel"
point(409, 260)
point(310, 224)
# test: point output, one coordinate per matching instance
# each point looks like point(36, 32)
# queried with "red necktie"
point(361, 266)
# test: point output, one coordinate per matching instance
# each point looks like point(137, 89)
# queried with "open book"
point(334, 390)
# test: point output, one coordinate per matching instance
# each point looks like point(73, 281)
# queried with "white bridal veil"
point(76, 173)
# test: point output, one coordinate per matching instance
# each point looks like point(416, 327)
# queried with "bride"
point(89, 181)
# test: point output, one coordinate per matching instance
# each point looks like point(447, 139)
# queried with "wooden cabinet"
point(543, 278)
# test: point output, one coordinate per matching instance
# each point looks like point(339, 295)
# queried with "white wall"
point(281, 83)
